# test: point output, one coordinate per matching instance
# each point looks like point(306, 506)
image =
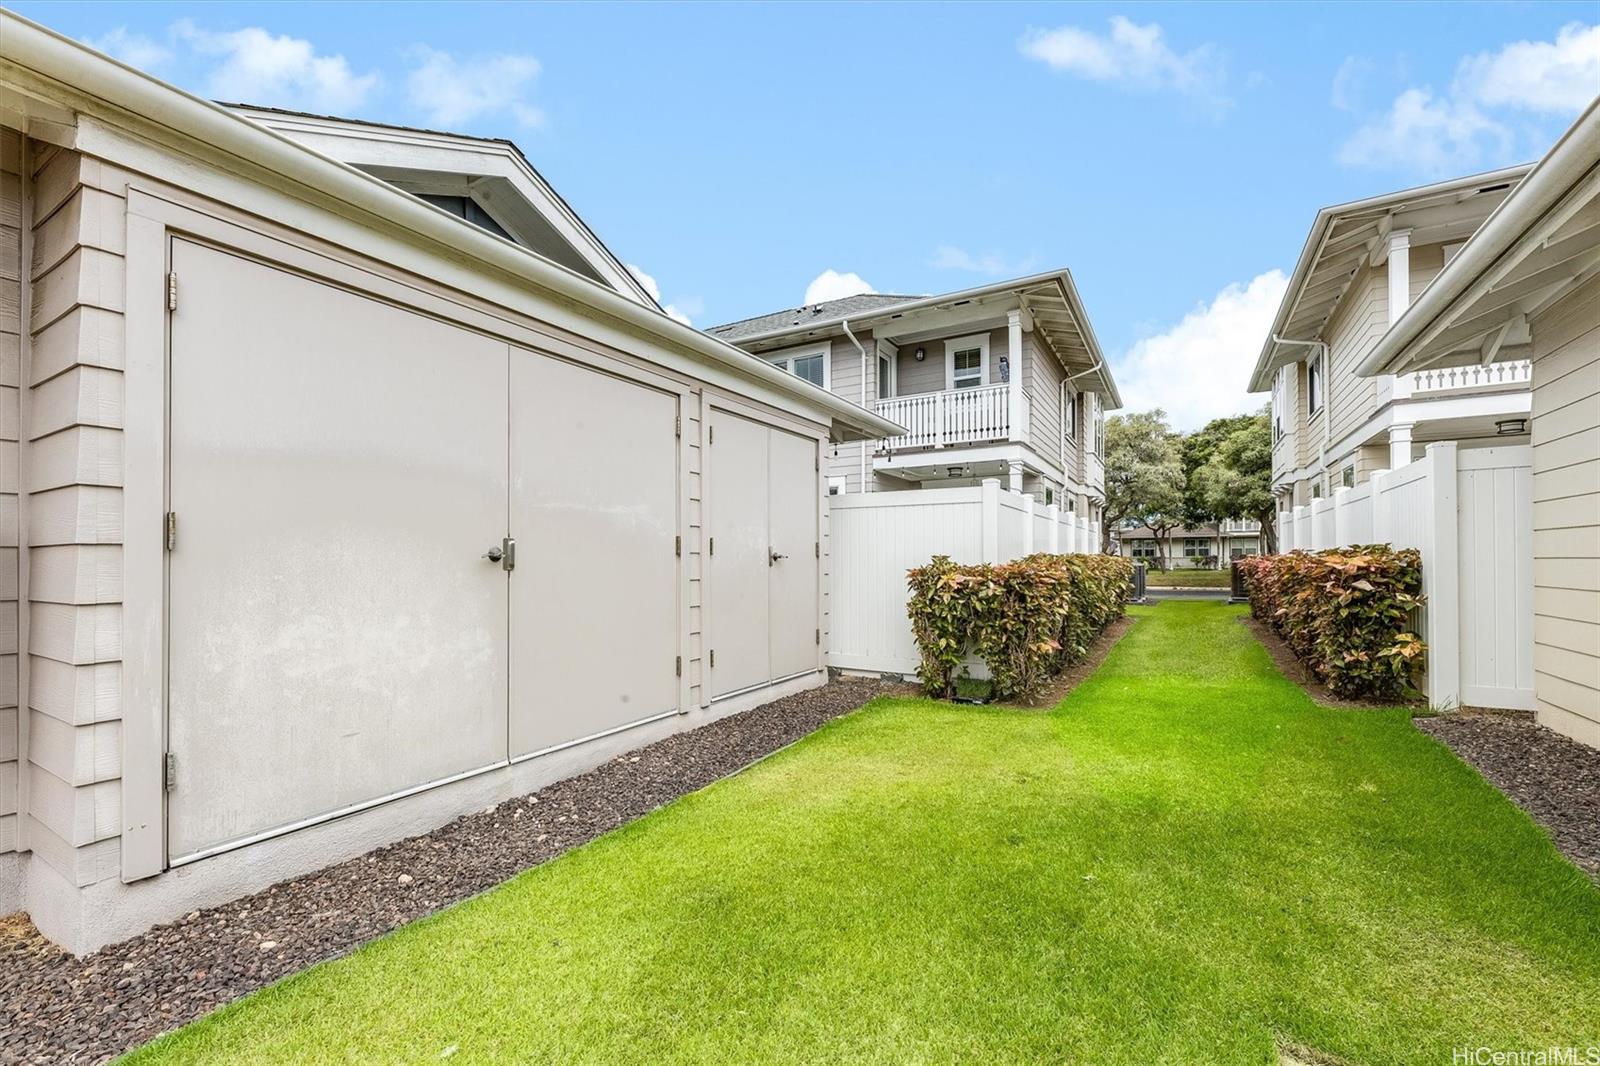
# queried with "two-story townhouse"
point(1210, 545)
point(1362, 265)
point(1004, 380)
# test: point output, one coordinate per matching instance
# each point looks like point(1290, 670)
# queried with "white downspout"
point(863, 445)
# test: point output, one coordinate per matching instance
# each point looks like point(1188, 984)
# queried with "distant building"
point(1193, 548)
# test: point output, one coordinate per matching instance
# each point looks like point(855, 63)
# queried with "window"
point(966, 362)
point(1142, 549)
point(1194, 547)
point(1069, 416)
point(1348, 478)
point(1049, 496)
point(1314, 386)
point(1099, 416)
point(886, 372)
point(1240, 553)
point(810, 363)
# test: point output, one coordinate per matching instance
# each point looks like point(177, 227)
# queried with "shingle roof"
point(830, 311)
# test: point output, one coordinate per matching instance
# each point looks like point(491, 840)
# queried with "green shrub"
point(1026, 619)
point(1345, 613)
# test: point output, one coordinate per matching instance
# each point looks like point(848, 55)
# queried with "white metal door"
point(337, 468)
point(792, 502)
point(739, 560)
point(595, 593)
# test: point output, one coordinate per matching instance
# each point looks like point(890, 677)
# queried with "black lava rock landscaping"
point(55, 1008)
point(1552, 777)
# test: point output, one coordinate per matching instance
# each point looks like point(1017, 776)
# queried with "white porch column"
point(1014, 391)
point(1399, 445)
point(1014, 476)
point(1399, 296)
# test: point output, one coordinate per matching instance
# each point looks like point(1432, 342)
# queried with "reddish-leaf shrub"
point(1345, 613)
point(1026, 620)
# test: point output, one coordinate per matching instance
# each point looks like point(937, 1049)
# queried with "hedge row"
point(1345, 613)
point(1026, 620)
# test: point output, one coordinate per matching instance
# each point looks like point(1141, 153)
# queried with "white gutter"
point(82, 71)
point(846, 324)
point(1467, 276)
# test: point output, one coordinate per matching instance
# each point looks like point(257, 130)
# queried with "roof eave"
point(1573, 157)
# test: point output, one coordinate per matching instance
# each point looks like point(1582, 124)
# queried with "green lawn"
point(1188, 579)
point(1185, 862)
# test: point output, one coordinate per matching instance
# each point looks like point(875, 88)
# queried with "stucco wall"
point(1566, 514)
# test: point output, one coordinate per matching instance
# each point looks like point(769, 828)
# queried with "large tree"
point(1198, 448)
point(1144, 476)
point(1235, 481)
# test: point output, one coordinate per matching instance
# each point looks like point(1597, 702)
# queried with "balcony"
point(952, 416)
point(1517, 372)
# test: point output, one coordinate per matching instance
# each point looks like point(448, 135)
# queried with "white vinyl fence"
point(1470, 514)
point(876, 537)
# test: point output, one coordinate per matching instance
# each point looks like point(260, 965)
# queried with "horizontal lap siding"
point(73, 475)
point(1041, 380)
point(844, 381)
point(1362, 318)
point(11, 252)
point(1566, 513)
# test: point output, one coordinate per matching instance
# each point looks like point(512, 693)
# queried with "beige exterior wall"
point(1566, 514)
point(913, 377)
point(11, 249)
point(1362, 318)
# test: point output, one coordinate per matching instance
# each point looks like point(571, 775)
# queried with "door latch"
point(775, 556)
point(505, 554)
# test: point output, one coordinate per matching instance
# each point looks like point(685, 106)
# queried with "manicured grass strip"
point(1185, 862)
point(1188, 579)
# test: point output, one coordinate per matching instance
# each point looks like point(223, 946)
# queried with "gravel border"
point(1551, 776)
point(55, 1008)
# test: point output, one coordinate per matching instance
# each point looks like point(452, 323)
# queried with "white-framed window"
point(966, 361)
point(809, 363)
point(886, 370)
point(1348, 478)
point(1314, 385)
point(836, 486)
point(1099, 417)
point(1142, 549)
point(1069, 415)
point(1196, 546)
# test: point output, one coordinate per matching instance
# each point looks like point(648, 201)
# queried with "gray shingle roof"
point(830, 311)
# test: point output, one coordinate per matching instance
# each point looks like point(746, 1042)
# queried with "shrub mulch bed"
point(55, 1008)
point(1552, 777)
point(1295, 670)
point(1060, 686)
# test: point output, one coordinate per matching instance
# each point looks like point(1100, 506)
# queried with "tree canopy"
point(1144, 472)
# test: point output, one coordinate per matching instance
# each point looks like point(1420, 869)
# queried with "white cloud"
point(255, 66)
point(1484, 117)
point(1199, 369)
point(134, 49)
point(949, 257)
point(654, 290)
point(1131, 55)
point(451, 92)
point(1430, 134)
point(1349, 81)
point(1556, 77)
point(832, 285)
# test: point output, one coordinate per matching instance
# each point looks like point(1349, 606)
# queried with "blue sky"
point(1171, 155)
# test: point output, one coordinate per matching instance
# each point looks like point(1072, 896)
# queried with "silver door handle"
point(505, 554)
point(776, 556)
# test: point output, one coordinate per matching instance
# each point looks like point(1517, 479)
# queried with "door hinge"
point(677, 546)
point(169, 772)
point(711, 434)
point(816, 462)
point(711, 546)
point(819, 638)
point(171, 530)
point(172, 291)
point(713, 657)
point(817, 547)
point(677, 425)
point(679, 666)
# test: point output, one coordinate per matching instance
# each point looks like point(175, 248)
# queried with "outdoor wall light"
point(952, 471)
point(1510, 427)
point(921, 355)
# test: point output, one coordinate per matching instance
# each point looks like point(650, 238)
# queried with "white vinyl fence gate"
point(876, 537)
point(1470, 514)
